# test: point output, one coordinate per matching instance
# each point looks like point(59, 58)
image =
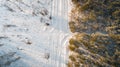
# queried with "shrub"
point(71, 47)
point(72, 26)
point(72, 58)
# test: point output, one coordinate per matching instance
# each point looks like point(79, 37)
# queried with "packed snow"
point(34, 33)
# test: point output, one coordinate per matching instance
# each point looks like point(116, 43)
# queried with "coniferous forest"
point(96, 28)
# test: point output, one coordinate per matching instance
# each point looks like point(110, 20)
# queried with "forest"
point(96, 28)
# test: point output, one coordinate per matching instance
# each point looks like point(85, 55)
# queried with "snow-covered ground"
point(34, 33)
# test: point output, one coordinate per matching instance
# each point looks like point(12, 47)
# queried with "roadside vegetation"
point(96, 42)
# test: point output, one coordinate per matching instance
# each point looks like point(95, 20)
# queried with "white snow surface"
point(34, 33)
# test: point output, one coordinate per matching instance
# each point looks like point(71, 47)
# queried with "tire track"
point(55, 51)
point(59, 12)
point(57, 15)
point(61, 15)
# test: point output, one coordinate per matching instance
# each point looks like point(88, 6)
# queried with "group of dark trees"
point(97, 39)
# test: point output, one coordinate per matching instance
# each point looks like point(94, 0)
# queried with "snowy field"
point(34, 33)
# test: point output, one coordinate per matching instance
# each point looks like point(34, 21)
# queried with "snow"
point(26, 40)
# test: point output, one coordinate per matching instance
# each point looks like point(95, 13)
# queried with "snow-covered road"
point(34, 33)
